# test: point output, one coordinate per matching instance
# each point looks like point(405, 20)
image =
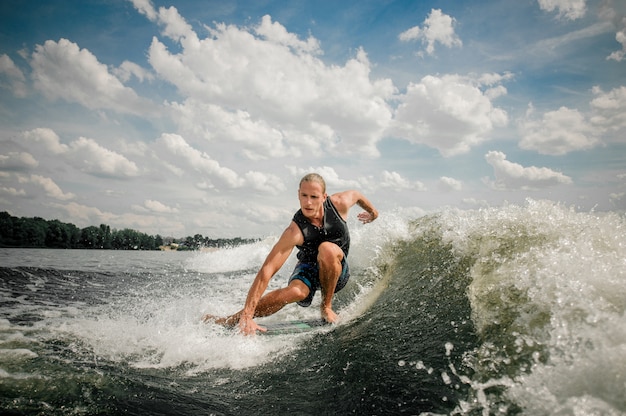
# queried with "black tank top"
point(335, 230)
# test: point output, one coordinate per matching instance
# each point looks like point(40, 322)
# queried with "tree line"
point(40, 233)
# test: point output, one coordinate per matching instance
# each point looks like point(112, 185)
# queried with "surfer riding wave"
point(320, 232)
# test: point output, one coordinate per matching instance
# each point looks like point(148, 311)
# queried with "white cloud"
point(609, 111)
point(265, 182)
point(438, 28)
point(48, 185)
point(395, 181)
point(614, 14)
point(510, 176)
point(97, 160)
point(84, 154)
point(557, 132)
point(128, 69)
point(174, 25)
point(47, 138)
point(568, 9)
point(18, 161)
point(450, 113)
point(210, 169)
point(275, 32)
point(145, 7)
point(64, 71)
point(159, 208)
point(258, 139)
point(450, 184)
point(11, 77)
point(199, 161)
point(618, 56)
point(12, 192)
point(273, 94)
point(82, 215)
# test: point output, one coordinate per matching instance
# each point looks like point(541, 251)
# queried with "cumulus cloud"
point(450, 113)
point(145, 7)
point(264, 182)
point(620, 37)
point(50, 188)
point(199, 161)
point(265, 85)
point(18, 161)
point(61, 70)
point(11, 77)
point(159, 207)
point(617, 18)
point(275, 32)
point(210, 170)
point(396, 182)
point(86, 215)
point(609, 110)
point(258, 138)
point(438, 28)
point(566, 9)
point(512, 176)
point(557, 132)
point(84, 154)
point(97, 160)
point(12, 192)
point(450, 184)
point(129, 69)
point(47, 139)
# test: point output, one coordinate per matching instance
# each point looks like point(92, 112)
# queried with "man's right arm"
point(274, 261)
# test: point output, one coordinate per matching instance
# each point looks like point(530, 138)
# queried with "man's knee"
point(329, 253)
point(298, 290)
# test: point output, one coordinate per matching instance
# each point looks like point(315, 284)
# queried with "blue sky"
point(192, 117)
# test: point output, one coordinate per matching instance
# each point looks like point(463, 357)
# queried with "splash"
point(548, 297)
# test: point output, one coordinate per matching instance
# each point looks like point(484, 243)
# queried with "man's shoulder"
point(345, 199)
point(292, 234)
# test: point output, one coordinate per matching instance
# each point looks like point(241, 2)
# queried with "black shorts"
point(309, 274)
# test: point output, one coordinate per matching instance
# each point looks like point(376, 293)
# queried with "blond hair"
point(314, 177)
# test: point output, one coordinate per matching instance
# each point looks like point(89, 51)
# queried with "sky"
point(200, 117)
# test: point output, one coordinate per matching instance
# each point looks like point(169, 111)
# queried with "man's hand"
point(366, 217)
point(247, 326)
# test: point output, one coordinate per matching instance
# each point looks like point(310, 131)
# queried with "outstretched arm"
point(274, 261)
point(343, 201)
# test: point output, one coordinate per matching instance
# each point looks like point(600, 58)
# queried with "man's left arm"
point(343, 201)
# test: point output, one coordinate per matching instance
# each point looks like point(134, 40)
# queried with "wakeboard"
point(292, 327)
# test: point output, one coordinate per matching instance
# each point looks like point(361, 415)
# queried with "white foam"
point(232, 259)
point(556, 280)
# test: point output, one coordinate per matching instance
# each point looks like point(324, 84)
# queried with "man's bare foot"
point(329, 316)
point(228, 321)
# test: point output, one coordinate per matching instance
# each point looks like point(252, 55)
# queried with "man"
point(320, 232)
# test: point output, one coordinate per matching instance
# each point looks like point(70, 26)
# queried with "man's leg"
point(269, 304)
point(329, 260)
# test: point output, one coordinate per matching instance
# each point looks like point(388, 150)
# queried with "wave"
point(509, 310)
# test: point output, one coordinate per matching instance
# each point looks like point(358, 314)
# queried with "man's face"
point(311, 198)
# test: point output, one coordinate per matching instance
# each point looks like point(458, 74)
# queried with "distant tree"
point(32, 232)
point(90, 237)
point(37, 232)
point(7, 238)
point(105, 237)
point(58, 235)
